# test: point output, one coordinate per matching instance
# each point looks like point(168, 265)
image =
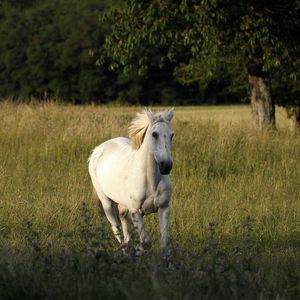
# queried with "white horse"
point(130, 176)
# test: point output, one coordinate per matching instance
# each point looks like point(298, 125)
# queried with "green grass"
point(235, 218)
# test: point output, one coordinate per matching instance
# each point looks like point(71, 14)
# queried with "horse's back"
point(110, 146)
point(109, 164)
point(116, 144)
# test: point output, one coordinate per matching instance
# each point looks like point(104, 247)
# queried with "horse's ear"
point(149, 114)
point(169, 114)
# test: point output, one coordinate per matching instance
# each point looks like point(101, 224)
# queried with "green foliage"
point(147, 51)
point(46, 51)
point(98, 270)
point(207, 41)
point(49, 49)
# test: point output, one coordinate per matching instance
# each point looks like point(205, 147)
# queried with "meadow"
point(235, 222)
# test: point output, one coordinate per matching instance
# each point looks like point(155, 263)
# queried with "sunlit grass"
point(223, 172)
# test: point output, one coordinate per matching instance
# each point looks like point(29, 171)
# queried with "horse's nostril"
point(165, 167)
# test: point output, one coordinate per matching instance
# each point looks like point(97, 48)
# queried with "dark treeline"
point(186, 52)
point(49, 49)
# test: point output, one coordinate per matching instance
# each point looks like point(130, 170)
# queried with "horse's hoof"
point(146, 243)
point(139, 250)
point(125, 249)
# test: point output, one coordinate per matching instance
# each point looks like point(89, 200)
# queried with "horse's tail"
point(96, 199)
point(93, 159)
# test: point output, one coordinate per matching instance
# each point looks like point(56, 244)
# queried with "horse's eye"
point(154, 134)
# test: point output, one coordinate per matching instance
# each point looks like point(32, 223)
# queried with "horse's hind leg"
point(98, 202)
point(110, 211)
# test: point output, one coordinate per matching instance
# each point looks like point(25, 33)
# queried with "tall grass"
point(235, 217)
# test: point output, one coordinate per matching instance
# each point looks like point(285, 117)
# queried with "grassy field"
point(235, 220)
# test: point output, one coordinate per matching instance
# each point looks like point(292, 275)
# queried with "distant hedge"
point(49, 50)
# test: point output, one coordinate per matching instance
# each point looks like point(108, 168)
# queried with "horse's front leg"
point(163, 202)
point(138, 223)
point(123, 212)
point(164, 222)
point(148, 206)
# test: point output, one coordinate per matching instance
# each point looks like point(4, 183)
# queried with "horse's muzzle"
point(165, 167)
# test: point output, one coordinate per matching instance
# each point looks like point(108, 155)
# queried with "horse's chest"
point(141, 188)
point(141, 194)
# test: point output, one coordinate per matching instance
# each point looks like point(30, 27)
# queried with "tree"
point(201, 36)
point(286, 77)
point(273, 52)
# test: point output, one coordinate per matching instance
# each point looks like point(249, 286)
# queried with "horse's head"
point(160, 137)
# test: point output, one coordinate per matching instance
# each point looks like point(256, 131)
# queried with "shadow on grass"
point(94, 268)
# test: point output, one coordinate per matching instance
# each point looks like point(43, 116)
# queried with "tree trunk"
point(296, 118)
point(263, 108)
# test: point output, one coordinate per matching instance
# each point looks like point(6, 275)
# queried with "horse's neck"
point(152, 173)
point(149, 167)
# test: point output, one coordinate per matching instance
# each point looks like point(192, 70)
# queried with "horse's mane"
point(139, 125)
point(138, 128)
